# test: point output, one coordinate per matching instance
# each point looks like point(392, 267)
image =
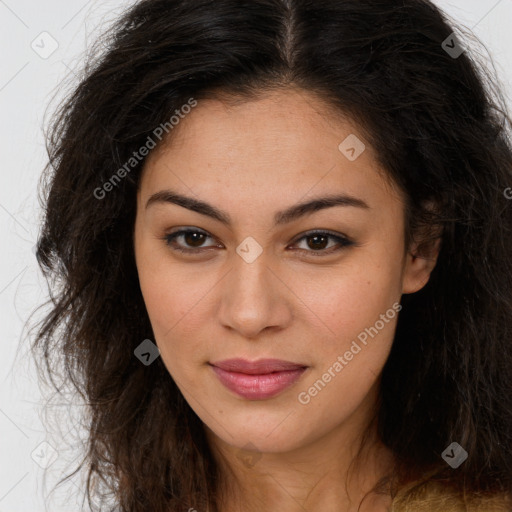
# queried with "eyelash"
point(343, 242)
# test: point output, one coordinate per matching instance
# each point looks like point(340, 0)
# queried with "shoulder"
point(435, 497)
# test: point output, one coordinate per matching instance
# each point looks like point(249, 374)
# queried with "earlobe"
point(418, 267)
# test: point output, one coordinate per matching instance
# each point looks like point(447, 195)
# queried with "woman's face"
point(260, 284)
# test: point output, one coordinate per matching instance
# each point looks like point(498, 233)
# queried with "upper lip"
point(259, 367)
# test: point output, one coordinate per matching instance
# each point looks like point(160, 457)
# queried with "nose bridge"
point(250, 283)
point(250, 267)
point(251, 276)
point(253, 296)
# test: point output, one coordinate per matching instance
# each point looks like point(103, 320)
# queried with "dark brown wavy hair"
point(440, 128)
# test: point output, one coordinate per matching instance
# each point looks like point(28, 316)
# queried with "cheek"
point(167, 311)
point(169, 292)
point(159, 289)
point(361, 314)
point(168, 297)
point(345, 301)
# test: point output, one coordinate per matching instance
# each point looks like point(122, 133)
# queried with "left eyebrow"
point(281, 217)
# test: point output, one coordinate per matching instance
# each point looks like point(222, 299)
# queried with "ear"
point(419, 263)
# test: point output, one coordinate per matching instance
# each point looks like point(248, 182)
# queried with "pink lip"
point(257, 380)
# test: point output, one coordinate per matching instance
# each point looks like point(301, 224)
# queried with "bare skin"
point(296, 301)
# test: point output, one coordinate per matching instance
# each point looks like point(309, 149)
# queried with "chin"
point(268, 435)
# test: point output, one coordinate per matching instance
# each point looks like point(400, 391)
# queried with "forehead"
point(286, 142)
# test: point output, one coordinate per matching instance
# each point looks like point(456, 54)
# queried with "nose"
point(254, 298)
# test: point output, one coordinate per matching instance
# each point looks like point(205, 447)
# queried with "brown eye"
point(317, 242)
point(193, 240)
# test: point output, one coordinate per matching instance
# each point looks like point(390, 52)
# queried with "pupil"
point(194, 238)
point(316, 238)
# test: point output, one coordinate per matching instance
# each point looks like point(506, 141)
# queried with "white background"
point(27, 83)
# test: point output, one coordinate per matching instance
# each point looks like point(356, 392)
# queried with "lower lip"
point(258, 387)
